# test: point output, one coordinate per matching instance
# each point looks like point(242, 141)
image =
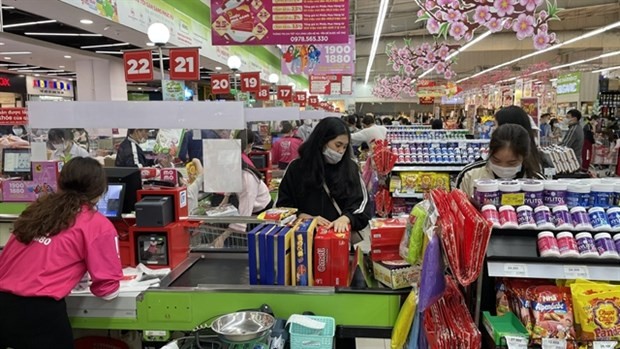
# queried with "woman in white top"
point(65, 149)
point(371, 132)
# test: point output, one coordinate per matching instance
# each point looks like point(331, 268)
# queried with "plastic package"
point(490, 213)
point(402, 326)
point(605, 245)
point(562, 217)
point(602, 195)
point(580, 218)
point(508, 217)
point(578, 194)
point(585, 245)
point(548, 245)
point(533, 191)
point(554, 193)
point(543, 218)
point(486, 192)
point(432, 280)
point(525, 217)
point(598, 219)
point(413, 240)
point(567, 244)
point(613, 217)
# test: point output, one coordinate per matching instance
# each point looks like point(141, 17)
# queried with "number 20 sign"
point(184, 64)
point(138, 66)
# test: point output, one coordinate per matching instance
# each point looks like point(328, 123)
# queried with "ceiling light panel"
point(25, 24)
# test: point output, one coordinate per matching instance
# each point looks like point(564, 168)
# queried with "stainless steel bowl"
point(243, 326)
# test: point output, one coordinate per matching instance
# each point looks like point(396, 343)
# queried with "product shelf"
point(442, 141)
point(514, 253)
point(398, 194)
point(433, 168)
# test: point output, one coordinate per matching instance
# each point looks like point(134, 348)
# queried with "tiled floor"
point(372, 343)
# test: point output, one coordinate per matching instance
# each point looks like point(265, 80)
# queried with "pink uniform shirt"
point(285, 150)
point(52, 266)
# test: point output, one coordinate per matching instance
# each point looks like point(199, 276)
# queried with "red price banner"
point(285, 93)
point(300, 98)
point(220, 84)
point(13, 116)
point(250, 82)
point(184, 64)
point(313, 101)
point(263, 93)
point(138, 66)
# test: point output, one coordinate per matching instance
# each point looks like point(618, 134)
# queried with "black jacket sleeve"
point(124, 156)
point(357, 206)
point(287, 189)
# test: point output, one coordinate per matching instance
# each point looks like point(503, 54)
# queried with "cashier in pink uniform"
point(285, 149)
point(55, 241)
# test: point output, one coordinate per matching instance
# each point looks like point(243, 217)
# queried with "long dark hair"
point(313, 166)
point(81, 181)
point(516, 115)
point(517, 139)
point(247, 137)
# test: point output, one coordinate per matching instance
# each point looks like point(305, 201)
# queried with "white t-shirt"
point(368, 135)
point(75, 151)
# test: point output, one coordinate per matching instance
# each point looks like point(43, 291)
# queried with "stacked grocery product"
point(420, 181)
point(408, 133)
point(439, 152)
point(562, 158)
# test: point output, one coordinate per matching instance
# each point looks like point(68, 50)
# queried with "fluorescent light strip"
point(25, 24)
point(68, 73)
point(106, 45)
point(110, 52)
point(24, 67)
point(8, 7)
point(377, 35)
point(15, 53)
point(606, 69)
point(581, 61)
point(551, 48)
point(61, 34)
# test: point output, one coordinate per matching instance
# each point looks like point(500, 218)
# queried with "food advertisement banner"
point(431, 89)
point(319, 59)
point(530, 105)
point(268, 22)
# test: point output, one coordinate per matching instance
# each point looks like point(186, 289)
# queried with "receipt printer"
point(154, 211)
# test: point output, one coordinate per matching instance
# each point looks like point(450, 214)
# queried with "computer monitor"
point(16, 162)
point(131, 177)
point(111, 203)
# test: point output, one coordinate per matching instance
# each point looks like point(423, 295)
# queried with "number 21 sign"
point(138, 65)
point(184, 64)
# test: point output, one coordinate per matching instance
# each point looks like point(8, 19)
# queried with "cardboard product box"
point(387, 231)
point(301, 259)
point(253, 255)
point(331, 257)
point(169, 175)
point(385, 253)
point(282, 256)
point(396, 274)
point(18, 191)
point(265, 253)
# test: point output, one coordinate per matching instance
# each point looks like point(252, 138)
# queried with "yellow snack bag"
point(597, 309)
point(402, 326)
point(408, 181)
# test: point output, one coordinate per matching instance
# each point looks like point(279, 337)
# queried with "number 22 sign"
point(184, 64)
point(138, 65)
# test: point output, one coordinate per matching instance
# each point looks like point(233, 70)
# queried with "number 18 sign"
point(138, 65)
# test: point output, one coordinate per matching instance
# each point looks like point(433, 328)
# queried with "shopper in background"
point(130, 154)
point(65, 149)
point(325, 181)
point(589, 130)
point(352, 122)
point(371, 132)
point(20, 131)
point(305, 130)
point(191, 147)
point(545, 130)
point(386, 121)
point(509, 149)
point(437, 123)
point(286, 148)
point(516, 115)
point(556, 131)
point(55, 241)
point(574, 137)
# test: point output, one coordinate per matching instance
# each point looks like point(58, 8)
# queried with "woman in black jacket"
point(324, 171)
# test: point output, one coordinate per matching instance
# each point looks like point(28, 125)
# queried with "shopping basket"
point(221, 232)
point(304, 337)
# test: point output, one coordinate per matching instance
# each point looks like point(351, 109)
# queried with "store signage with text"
point(13, 116)
point(184, 64)
point(220, 84)
point(427, 100)
point(568, 83)
point(431, 89)
point(263, 93)
point(38, 87)
point(331, 84)
point(138, 65)
point(269, 22)
point(313, 101)
point(285, 93)
point(250, 82)
point(300, 98)
point(319, 59)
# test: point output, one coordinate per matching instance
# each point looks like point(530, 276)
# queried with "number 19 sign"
point(250, 82)
point(184, 64)
point(138, 65)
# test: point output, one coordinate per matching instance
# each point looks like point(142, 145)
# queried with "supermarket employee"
point(130, 154)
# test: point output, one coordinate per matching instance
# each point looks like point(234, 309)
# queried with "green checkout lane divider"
point(13, 207)
point(184, 310)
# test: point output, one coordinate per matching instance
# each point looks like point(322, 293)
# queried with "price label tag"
point(515, 270)
point(220, 84)
point(516, 342)
point(516, 199)
point(553, 343)
point(576, 272)
point(604, 344)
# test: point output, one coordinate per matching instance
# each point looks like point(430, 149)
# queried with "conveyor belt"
point(216, 269)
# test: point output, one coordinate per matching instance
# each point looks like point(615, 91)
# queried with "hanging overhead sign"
point(269, 22)
point(138, 65)
point(250, 82)
point(285, 93)
point(319, 59)
point(263, 93)
point(220, 84)
point(184, 64)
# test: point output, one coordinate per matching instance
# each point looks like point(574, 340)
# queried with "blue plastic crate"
point(303, 337)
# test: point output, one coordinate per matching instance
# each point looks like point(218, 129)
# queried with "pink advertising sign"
point(319, 59)
point(284, 22)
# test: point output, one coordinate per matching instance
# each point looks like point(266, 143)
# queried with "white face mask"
point(308, 122)
point(18, 131)
point(331, 156)
point(59, 146)
point(505, 172)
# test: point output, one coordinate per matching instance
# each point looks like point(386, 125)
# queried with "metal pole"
point(235, 84)
point(161, 66)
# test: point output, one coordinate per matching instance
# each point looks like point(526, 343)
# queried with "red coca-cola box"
point(387, 231)
point(331, 257)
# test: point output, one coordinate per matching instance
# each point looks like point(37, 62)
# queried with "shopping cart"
point(605, 157)
point(221, 232)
